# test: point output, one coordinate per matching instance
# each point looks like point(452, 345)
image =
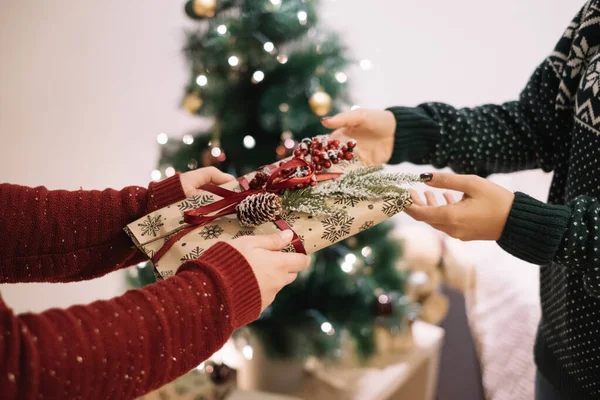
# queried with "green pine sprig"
point(360, 184)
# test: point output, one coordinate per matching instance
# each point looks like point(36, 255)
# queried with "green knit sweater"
point(555, 126)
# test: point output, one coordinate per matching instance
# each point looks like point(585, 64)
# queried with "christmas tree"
point(264, 72)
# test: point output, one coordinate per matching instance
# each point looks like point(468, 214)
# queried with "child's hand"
point(192, 180)
point(480, 215)
point(374, 130)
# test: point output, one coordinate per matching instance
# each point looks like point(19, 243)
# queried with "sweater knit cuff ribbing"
point(416, 135)
point(238, 281)
point(164, 193)
point(534, 229)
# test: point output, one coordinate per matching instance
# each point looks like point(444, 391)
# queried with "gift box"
point(323, 193)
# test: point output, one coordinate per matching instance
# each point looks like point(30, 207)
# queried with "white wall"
point(85, 87)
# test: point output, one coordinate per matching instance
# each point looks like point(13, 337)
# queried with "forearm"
point(130, 345)
point(568, 235)
point(513, 136)
point(61, 235)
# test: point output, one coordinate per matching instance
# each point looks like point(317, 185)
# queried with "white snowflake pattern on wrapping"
point(211, 232)
point(151, 225)
point(366, 225)
point(349, 201)
point(192, 255)
point(195, 202)
point(243, 233)
point(394, 205)
point(337, 227)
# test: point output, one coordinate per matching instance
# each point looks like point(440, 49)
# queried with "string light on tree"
point(162, 138)
point(320, 102)
point(233, 61)
point(169, 171)
point(155, 175)
point(286, 145)
point(366, 251)
point(327, 328)
point(215, 152)
point(354, 107)
point(341, 77)
point(269, 47)
point(192, 164)
point(258, 77)
point(288, 142)
point(282, 59)
point(365, 64)
point(222, 29)
point(204, 8)
point(187, 139)
point(302, 17)
point(201, 80)
point(249, 142)
point(276, 2)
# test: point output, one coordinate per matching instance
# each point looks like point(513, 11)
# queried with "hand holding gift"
point(272, 268)
point(324, 194)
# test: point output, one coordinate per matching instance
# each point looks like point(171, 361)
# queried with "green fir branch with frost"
point(305, 201)
point(360, 184)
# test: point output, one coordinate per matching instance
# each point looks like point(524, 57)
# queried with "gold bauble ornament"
point(320, 103)
point(204, 8)
point(192, 102)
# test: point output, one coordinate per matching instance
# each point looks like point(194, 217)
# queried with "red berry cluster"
point(324, 153)
point(260, 179)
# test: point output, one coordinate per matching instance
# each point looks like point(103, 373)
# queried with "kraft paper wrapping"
point(152, 231)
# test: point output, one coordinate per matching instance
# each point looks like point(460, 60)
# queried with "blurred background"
point(86, 88)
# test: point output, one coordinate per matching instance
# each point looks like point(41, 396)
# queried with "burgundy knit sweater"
point(120, 348)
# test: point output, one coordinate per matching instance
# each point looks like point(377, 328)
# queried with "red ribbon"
point(227, 205)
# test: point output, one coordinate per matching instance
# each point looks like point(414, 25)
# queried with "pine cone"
point(257, 209)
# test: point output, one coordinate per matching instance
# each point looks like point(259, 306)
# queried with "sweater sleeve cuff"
point(534, 230)
point(164, 193)
point(416, 135)
point(238, 281)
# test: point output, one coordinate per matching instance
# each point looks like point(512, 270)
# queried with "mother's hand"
point(481, 214)
point(192, 180)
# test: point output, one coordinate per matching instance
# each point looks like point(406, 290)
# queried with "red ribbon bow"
point(278, 181)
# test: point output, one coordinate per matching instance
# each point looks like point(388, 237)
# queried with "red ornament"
point(349, 156)
point(298, 153)
point(344, 148)
point(335, 160)
point(327, 164)
point(318, 167)
point(351, 144)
